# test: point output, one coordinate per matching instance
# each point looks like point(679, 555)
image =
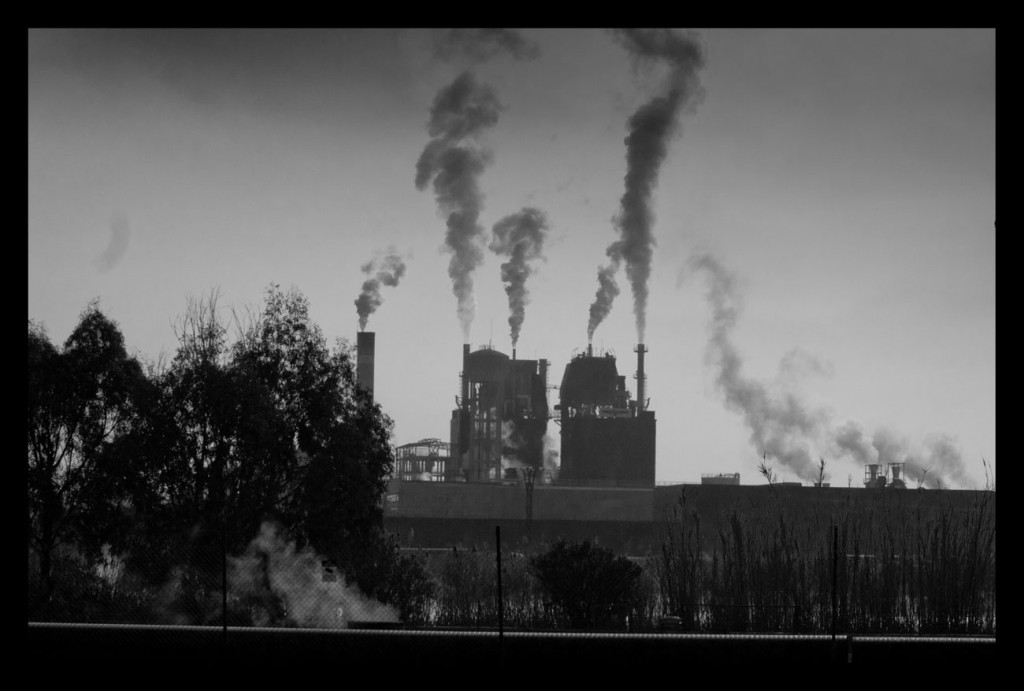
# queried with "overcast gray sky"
point(843, 179)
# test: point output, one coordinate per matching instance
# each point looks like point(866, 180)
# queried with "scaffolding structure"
point(425, 460)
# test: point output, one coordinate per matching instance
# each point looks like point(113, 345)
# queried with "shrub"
point(588, 586)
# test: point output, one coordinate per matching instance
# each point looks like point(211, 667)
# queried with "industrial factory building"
point(498, 428)
point(607, 439)
point(583, 469)
point(892, 476)
point(720, 479)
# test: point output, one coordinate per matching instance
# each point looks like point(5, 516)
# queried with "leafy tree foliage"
point(587, 584)
point(401, 580)
point(215, 453)
point(274, 427)
point(83, 400)
point(341, 454)
point(176, 467)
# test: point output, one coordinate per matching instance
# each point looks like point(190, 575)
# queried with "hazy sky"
point(839, 185)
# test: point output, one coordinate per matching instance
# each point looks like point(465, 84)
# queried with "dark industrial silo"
point(607, 439)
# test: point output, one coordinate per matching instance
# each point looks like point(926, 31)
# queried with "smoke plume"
point(651, 128)
point(787, 428)
point(480, 45)
point(520, 237)
point(940, 463)
point(552, 453)
point(294, 578)
point(460, 113)
point(607, 291)
point(120, 235)
point(386, 271)
point(850, 440)
point(510, 448)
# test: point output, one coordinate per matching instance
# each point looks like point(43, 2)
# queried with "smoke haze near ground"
point(296, 576)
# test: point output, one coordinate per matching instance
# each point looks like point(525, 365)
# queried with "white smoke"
point(508, 444)
point(297, 577)
point(552, 454)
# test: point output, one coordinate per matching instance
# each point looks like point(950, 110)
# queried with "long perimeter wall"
point(437, 515)
point(472, 500)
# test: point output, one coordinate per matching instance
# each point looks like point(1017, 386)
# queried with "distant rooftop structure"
point(877, 477)
point(720, 479)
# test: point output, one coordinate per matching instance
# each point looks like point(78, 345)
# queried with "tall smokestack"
point(590, 350)
point(640, 377)
point(364, 360)
point(465, 376)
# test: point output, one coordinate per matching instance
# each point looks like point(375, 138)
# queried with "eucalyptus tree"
point(84, 399)
point(264, 422)
point(330, 494)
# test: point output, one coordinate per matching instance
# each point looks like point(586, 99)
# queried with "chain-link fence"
point(940, 581)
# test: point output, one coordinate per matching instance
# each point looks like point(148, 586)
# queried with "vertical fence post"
point(835, 585)
point(224, 554)
point(224, 581)
point(501, 602)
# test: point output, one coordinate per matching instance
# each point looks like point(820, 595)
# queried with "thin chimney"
point(640, 377)
point(364, 360)
point(465, 376)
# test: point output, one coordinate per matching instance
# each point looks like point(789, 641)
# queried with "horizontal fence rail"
point(57, 641)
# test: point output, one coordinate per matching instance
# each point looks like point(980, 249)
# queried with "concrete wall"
point(500, 501)
point(822, 504)
point(632, 538)
point(632, 521)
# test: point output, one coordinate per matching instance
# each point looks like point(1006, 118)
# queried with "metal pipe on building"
point(465, 376)
point(640, 377)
